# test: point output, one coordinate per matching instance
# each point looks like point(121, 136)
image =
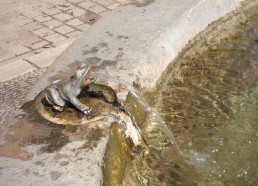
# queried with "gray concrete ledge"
point(136, 43)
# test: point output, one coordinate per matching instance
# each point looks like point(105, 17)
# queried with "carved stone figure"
point(62, 91)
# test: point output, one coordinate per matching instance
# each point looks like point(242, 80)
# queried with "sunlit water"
point(208, 98)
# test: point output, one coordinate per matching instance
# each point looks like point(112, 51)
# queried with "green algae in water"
point(208, 99)
point(200, 103)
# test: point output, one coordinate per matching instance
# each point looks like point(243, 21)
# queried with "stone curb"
point(150, 37)
point(17, 68)
point(22, 66)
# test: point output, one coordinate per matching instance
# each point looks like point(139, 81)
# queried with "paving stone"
point(102, 14)
point(83, 27)
point(74, 22)
point(97, 9)
point(87, 4)
point(64, 29)
point(124, 1)
point(53, 23)
point(55, 2)
point(89, 17)
point(14, 69)
point(52, 11)
point(26, 38)
point(54, 38)
point(65, 6)
point(10, 15)
point(16, 18)
point(42, 18)
point(113, 6)
point(75, 1)
point(45, 59)
point(44, 49)
point(39, 44)
point(25, 22)
point(37, 5)
point(6, 56)
point(32, 26)
point(22, 56)
point(43, 32)
point(31, 13)
point(19, 49)
point(74, 34)
point(63, 16)
point(21, 20)
point(105, 3)
point(76, 12)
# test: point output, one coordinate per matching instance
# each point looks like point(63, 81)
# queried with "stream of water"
point(208, 98)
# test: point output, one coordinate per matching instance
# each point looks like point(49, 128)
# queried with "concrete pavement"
point(33, 33)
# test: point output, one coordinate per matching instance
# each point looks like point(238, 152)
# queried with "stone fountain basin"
point(132, 45)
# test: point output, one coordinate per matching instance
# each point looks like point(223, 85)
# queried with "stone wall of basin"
point(134, 45)
point(136, 42)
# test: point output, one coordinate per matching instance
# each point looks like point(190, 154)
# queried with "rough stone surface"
point(64, 29)
point(54, 38)
point(53, 23)
point(27, 22)
point(151, 35)
point(39, 44)
point(135, 43)
point(45, 59)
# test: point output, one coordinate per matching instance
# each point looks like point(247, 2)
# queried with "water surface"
point(208, 98)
